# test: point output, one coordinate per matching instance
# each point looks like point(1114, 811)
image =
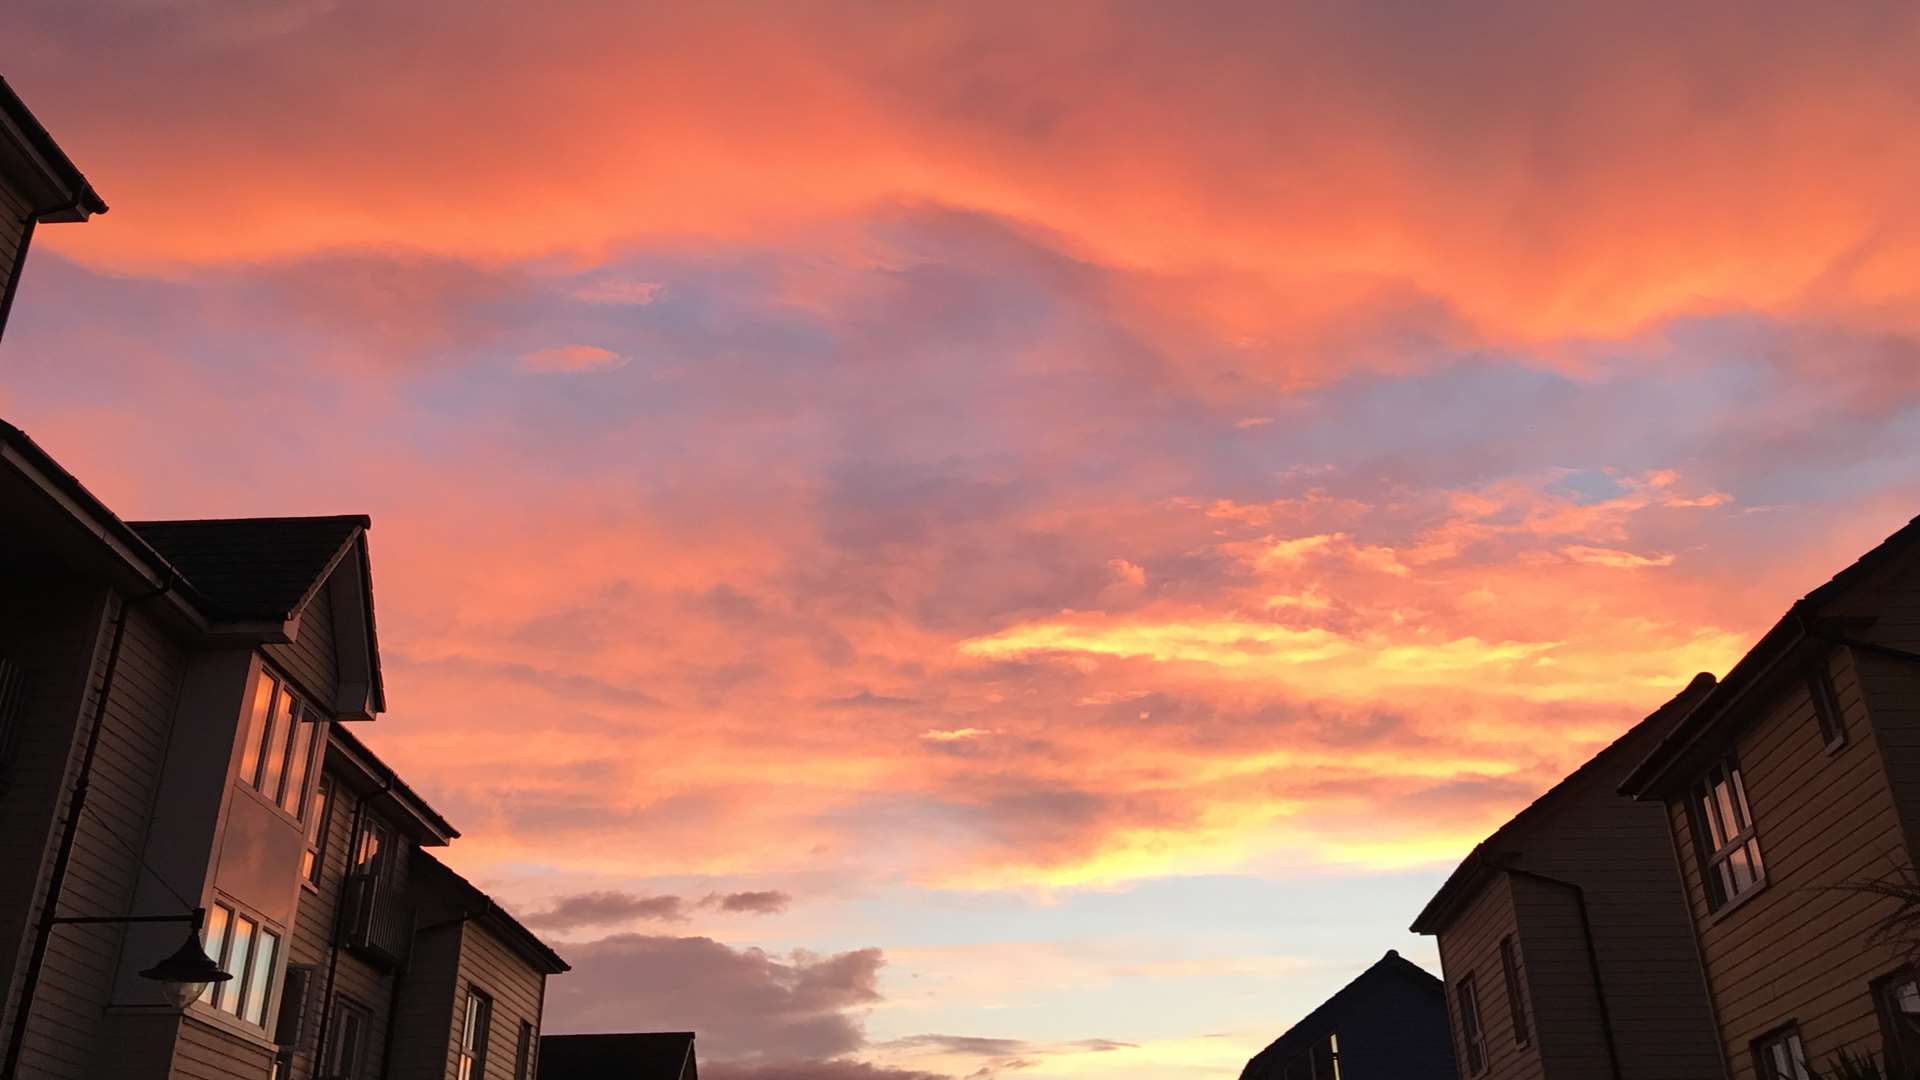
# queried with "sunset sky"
point(993, 539)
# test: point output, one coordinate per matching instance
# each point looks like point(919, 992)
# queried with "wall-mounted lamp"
point(189, 971)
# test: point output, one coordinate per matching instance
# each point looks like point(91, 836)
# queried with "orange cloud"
point(1344, 193)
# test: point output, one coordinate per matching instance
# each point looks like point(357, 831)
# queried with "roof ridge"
point(365, 520)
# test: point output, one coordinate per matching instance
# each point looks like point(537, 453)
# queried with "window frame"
point(1900, 1045)
point(476, 1028)
point(1513, 971)
point(281, 759)
point(1827, 713)
point(523, 1052)
point(345, 1008)
point(319, 819)
point(1721, 791)
point(1785, 1038)
point(237, 997)
point(1473, 1030)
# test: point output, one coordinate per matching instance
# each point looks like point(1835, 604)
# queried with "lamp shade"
point(188, 972)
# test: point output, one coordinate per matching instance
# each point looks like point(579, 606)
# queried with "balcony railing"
point(378, 925)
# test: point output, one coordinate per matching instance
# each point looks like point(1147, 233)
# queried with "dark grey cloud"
point(607, 906)
point(761, 902)
point(748, 1005)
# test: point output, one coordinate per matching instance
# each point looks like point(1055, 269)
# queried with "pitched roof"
point(84, 199)
point(482, 906)
point(253, 568)
point(661, 1055)
point(1794, 629)
point(1460, 884)
point(1315, 1024)
point(343, 740)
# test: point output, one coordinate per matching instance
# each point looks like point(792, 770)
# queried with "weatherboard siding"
point(317, 927)
point(1471, 947)
point(13, 232)
point(1798, 950)
point(309, 658)
point(515, 987)
point(78, 979)
point(1619, 854)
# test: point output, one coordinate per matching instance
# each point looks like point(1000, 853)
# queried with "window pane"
point(265, 951)
point(372, 841)
point(310, 863)
point(1742, 873)
point(213, 941)
point(1753, 857)
point(298, 758)
point(259, 715)
point(1710, 813)
point(237, 961)
point(1740, 799)
point(273, 766)
point(1729, 820)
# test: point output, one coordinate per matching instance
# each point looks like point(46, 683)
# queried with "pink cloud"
point(572, 358)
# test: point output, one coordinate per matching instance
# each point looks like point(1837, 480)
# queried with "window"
point(1723, 835)
point(259, 721)
point(369, 858)
point(277, 756)
point(1779, 1056)
point(347, 1045)
point(473, 1035)
point(248, 951)
point(1516, 993)
point(523, 1053)
point(1897, 998)
point(1327, 1066)
point(313, 862)
point(1473, 1043)
point(299, 758)
point(1826, 704)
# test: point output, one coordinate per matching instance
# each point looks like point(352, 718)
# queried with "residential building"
point(1565, 939)
point(1792, 782)
point(1389, 1023)
point(174, 702)
point(37, 184)
point(662, 1055)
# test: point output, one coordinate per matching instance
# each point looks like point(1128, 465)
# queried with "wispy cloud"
point(572, 358)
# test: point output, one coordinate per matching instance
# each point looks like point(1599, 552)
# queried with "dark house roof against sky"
point(253, 568)
point(383, 773)
point(662, 1055)
point(1795, 629)
point(482, 906)
point(85, 199)
point(1465, 878)
point(1313, 1026)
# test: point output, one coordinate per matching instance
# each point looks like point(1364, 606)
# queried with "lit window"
point(249, 952)
point(1724, 835)
point(299, 759)
point(1472, 1041)
point(314, 861)
point(473, 1035)
point(216, 943)
point(259, 729)
point(281, 737)
point(1779, 1056)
